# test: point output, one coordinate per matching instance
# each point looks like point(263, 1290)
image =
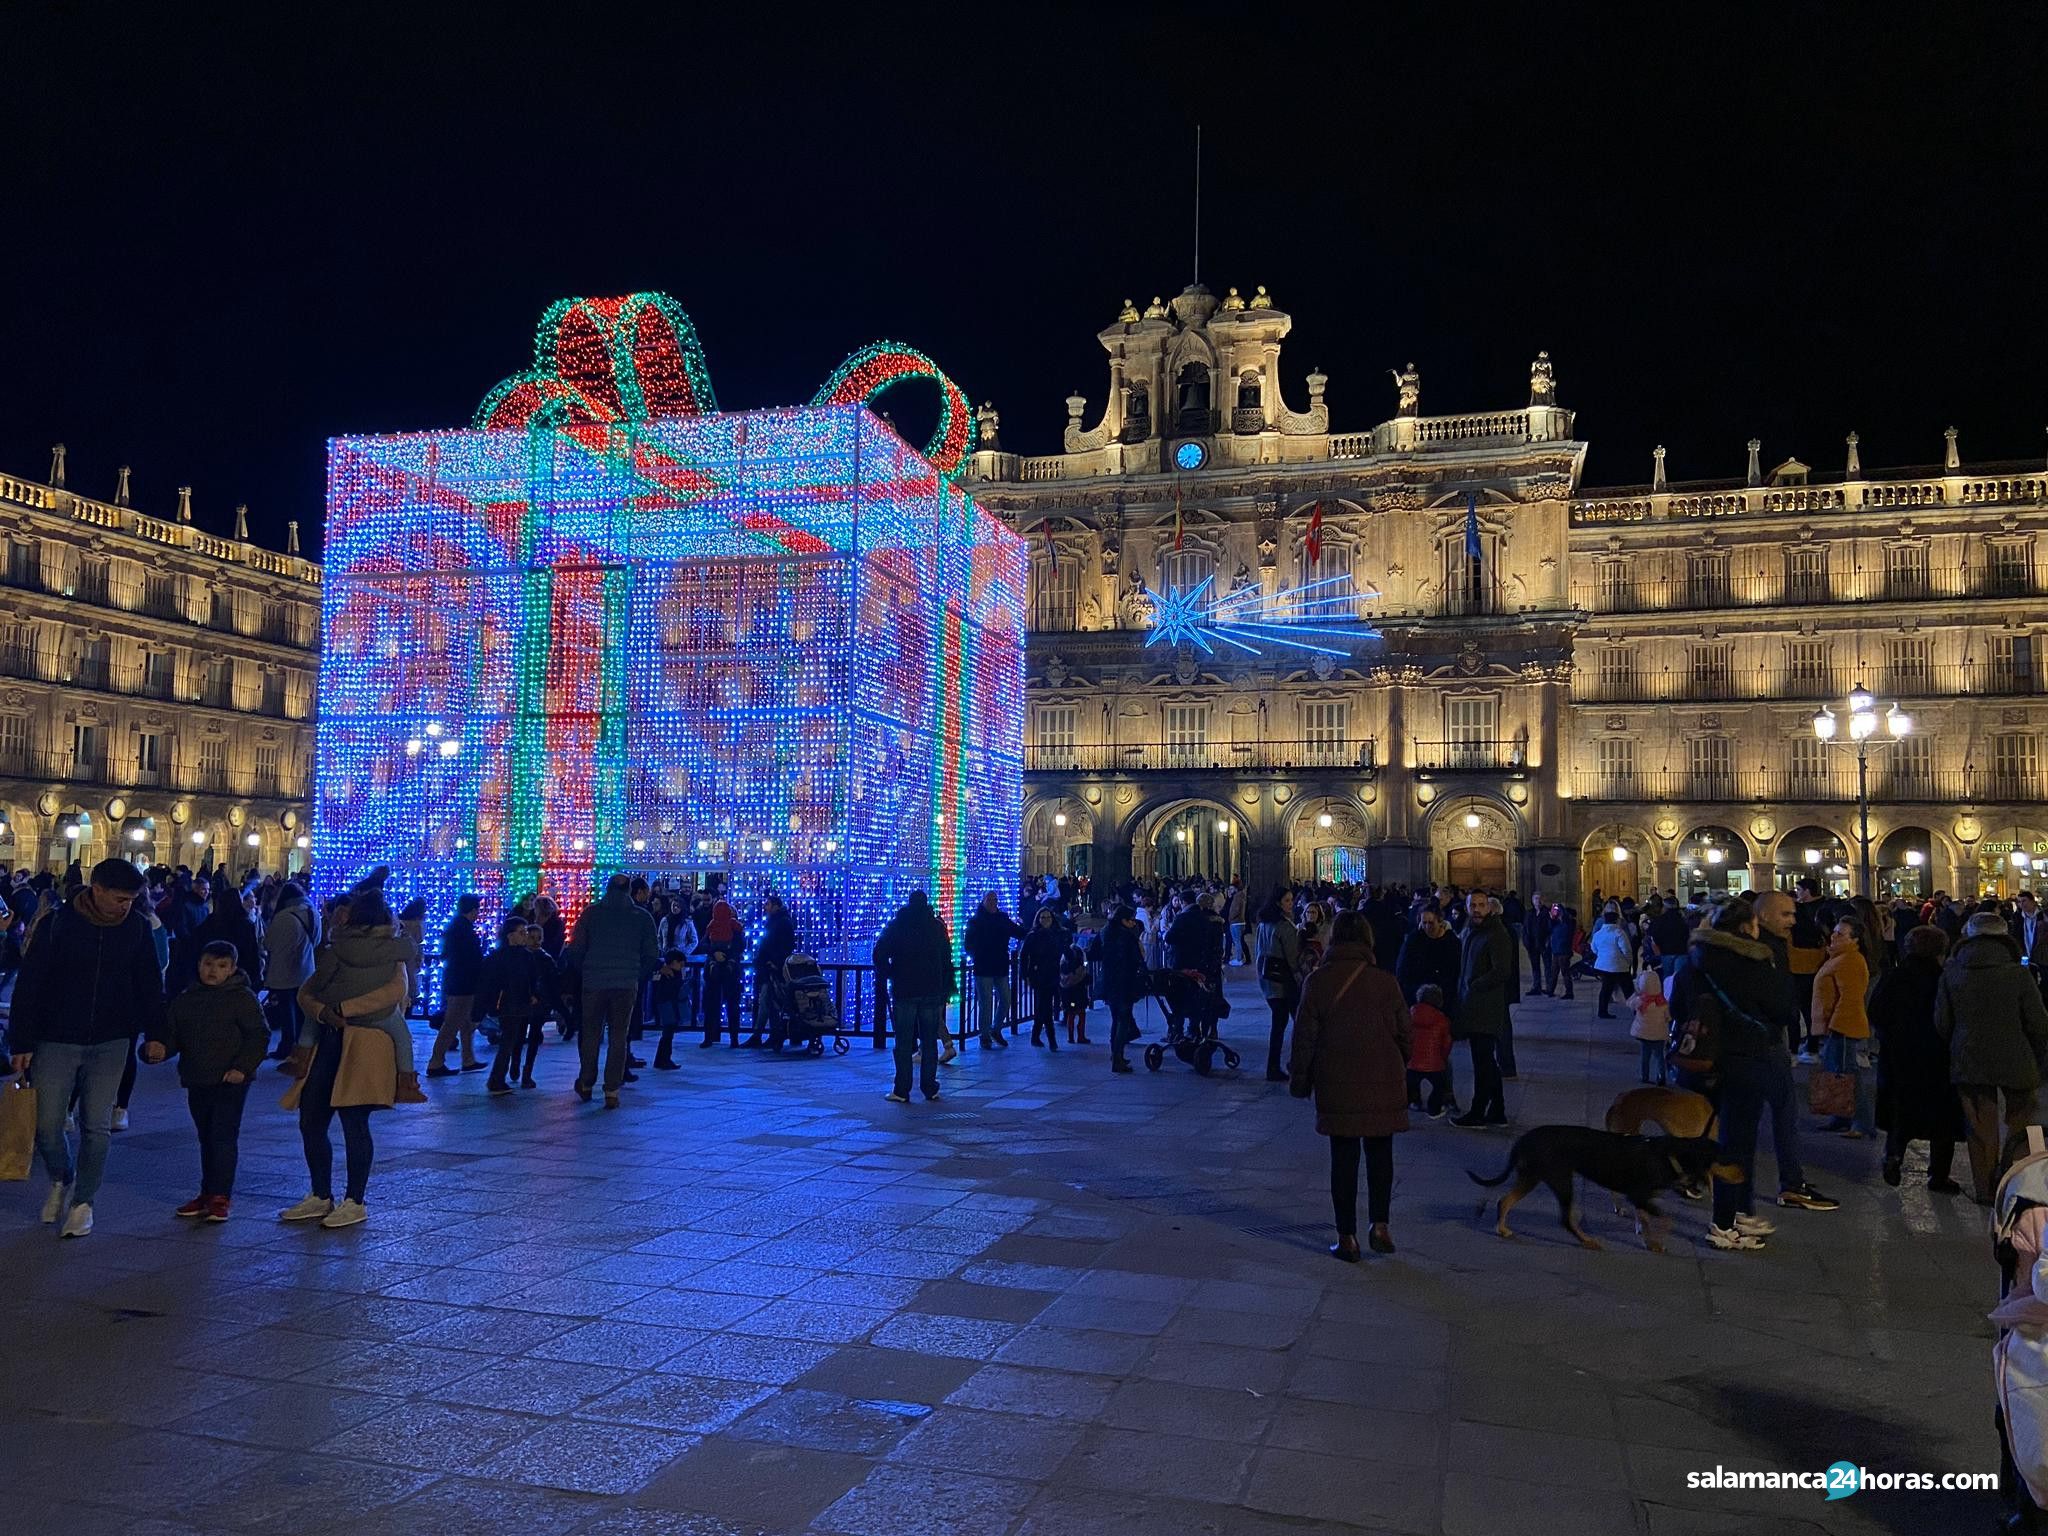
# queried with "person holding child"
point(217, 1031)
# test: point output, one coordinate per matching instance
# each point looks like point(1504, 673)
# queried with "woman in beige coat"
point(1351, 1042)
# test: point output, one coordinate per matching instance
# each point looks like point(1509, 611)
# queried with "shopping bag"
point(17, 1129)
point(1832, 1094)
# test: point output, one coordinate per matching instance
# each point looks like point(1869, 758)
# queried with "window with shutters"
point(1327, 590)
point(1187, 735)
point(1617, 672)
point(86, 759)
point(14, 742)
point(1707, 580)
point(2012, 664)
point(213, 764)
point(1614, 586)
point(1056, 592)
point(1326, 733)
point(1616, 764)
point(1711, 762)
point(220, 682)
point(1057, 727)
point(1806, 575)
point(1907, 664)
point(95, 663)
point(23, 563)
point(1905, 571)
point(92, 579)
point(1808, 764)
point(157, 673)
point(2009, 565)
point(149, 747)
point(1909, 767)
point(160, 594)
point(2015, 765)
point(1712, 667)
point(1807, 666)
point(17, 650)
point(273, 692)
point(266, 771)
point(1183, 570)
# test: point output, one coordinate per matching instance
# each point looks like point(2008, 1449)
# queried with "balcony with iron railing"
point(1355, 757)
point(1996, 678)
point(135, 597)
point(1834, 784)
point(104, 770)
point(1633, 593)
point(130, 678)
point(1470, 756)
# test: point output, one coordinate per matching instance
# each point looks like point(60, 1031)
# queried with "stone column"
point(1666, 874)
point(1763, 875)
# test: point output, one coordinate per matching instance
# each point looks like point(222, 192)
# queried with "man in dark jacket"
point(89, 983)
point(1123, 971)
point(1486, 985)
point(1775, 917)
point(1431, 954)
point(1195, 942)
point(987, 942)
point(614, 950)
point(1669, 935)
point(1535, 938)
point(778, 943)
point(1990, 1012)
point(462, 956)
point(914, 960)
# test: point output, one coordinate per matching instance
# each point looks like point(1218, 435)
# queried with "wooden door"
point(1478, 868)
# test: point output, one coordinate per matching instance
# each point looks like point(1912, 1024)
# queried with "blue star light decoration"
point(1194, 618)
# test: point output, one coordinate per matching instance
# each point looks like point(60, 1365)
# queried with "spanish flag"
point(1179, 523)
point(1315, 533)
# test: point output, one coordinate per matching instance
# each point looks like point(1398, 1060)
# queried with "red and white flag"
point(1315, 533)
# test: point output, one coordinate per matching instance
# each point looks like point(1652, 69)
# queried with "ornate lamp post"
point(1864, 721)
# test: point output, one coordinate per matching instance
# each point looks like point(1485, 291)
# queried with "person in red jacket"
point(1429, 1053)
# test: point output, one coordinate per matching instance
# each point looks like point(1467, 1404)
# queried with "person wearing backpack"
point(1280, 975)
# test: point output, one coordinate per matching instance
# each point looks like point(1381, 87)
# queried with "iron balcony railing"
point(1835, 785)
point(1624, 590)
point(1470, 756)
point(1643, 685)
point(1180, 757)
point(128, 676)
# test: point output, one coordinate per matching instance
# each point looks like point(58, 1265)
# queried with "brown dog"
point(1638, 1168)
point(1674, 1111)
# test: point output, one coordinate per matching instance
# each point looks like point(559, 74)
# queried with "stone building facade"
point(1425, 652)
point(156, 685)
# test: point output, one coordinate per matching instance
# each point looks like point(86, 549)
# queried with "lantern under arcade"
point(780, 646)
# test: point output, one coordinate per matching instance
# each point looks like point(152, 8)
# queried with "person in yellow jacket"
point(1839, 988)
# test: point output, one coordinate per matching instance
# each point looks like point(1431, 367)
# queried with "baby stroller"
point(1192, 1008)
point(801, 1000)
point(2019, 1359)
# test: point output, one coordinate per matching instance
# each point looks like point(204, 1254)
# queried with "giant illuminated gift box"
point(778, 645)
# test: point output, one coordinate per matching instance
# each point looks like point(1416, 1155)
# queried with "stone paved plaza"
point(759, 1298)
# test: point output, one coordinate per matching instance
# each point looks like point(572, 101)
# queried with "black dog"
point(1638, 1168)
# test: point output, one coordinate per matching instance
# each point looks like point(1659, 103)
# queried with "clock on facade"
point(1190, 456)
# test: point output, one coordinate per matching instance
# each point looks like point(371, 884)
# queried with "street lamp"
point(1864, 722)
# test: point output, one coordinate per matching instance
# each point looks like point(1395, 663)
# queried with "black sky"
point(227, 240)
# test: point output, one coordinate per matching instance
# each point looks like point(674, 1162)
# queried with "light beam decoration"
point(1193, 618)
point(611, 629)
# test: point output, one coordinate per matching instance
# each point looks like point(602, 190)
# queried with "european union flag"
point(1472, 524)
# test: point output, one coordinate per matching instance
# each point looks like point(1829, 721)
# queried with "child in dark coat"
point(665, 992)
point(1429, 1053)
point(1074, 993)
point(217, 1031)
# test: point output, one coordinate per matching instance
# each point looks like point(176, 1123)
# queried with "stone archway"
point(1189, 836)
point(1059, 836)
point(1327, 837)
point(1616, 858)
point(1472, 842)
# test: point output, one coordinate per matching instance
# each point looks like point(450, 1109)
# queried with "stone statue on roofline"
point(1409, 383)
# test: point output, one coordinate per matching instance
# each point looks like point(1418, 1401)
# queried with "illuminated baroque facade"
point(1521, 681)
point(156, 685)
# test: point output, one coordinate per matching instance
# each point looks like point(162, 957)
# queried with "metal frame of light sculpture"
point(778, 645)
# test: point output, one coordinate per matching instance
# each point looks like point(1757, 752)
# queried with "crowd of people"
point(1923, 1021)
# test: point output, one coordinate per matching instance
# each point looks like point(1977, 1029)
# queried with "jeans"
point(1610, 983)
point(1379, 1180)
point(217, 1117)
point(607, 1012)
point(1652, 1060)
point(1745, 1091)
point(1781, 1097)
point(1236, 955)
point(991, 1003)
point(1123, 1028)
point(1489, 1100)
point(512, 1037)
point(918, 1021)
point(721, 1001)
point(1557, 968)
point(1283, 1009)
point(93, 1072)
point(1839, 1053)
point(281, 1010)
point(317, 1111)
point(668, 1018)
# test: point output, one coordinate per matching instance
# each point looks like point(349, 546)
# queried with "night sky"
point(227, 242)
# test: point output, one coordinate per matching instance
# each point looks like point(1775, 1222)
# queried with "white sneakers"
point(312, 1208)
point(1755, 1226)
point(78, 1223)
point(347, 1214)
point(54, 1203)
point(1734, 1239)
point(120, 1118)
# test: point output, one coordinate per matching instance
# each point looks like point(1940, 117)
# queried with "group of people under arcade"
point(123, 967)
